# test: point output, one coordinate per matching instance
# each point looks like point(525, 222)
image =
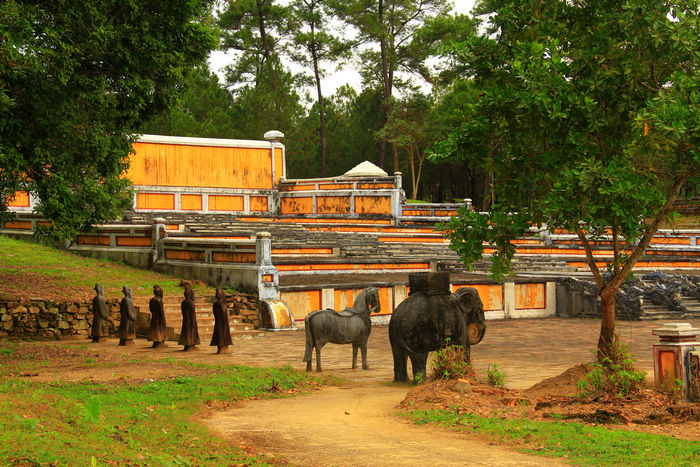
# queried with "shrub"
point(449, 362)
point(494, 377)
point(616, 374)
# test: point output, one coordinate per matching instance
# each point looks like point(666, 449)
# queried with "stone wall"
point(244, 305)
point(45, 320)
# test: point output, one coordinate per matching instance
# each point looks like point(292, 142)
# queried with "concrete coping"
point(676, 330)
point(122, 227)
point(212, 241)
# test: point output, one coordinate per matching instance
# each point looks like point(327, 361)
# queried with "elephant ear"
point(476, 333)
point(474, 313)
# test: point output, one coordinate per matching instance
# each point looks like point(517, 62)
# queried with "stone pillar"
point(158, 233)
point(398, 199)
point(674, 355)
point(508, 299)
point(275, 139)
point(268, 275)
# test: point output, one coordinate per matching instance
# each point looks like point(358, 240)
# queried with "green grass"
point(153, 423)
point(66, 269)
point(576, 442)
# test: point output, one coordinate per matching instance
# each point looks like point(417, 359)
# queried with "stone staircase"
point(658, 312)
point(205, 319)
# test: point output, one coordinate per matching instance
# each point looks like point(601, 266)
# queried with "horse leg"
point(318, 359)
point(354, 356)
point(309, 361)
point(365, 366)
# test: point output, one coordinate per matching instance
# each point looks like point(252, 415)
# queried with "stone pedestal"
point(672, 356)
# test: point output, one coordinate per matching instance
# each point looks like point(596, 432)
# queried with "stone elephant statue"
point(422, 323)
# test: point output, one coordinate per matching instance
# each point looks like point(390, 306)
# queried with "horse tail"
point(309, 339)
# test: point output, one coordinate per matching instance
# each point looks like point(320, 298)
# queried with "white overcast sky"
point(218, 60)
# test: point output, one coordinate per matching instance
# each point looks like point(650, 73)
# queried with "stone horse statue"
point(350, 326)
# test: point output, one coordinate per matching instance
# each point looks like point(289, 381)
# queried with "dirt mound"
point(560, 385)
point(648, 410)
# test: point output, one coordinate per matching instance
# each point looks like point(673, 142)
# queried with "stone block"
point(63, 324)
point(20, 309)
point(43, 323)
point(5, 317)
point(80, 324)
point(6, 326)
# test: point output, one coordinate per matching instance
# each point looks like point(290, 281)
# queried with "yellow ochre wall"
point(159, 164)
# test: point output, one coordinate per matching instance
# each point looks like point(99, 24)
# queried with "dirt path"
point(354, 425)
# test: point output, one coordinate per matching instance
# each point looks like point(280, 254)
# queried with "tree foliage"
point(76, 81)
point(587, 118)
point(313, 46)
point(391, 25)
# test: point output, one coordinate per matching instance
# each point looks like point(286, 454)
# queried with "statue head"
point(99, 289)
point(127, 291)
point(157, 291)
point(220, 295)
point(189, 293)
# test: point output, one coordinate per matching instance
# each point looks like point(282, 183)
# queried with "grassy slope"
point(29, 269)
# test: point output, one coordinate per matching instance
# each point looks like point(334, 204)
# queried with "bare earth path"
point(356, 423)
point(354, 426)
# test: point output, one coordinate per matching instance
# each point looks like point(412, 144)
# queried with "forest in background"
point(410, 95)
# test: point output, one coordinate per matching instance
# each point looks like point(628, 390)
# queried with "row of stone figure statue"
point(189, 335)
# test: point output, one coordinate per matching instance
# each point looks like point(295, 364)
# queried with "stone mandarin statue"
point(100, 315)
point(189, 336)
point(157, 332)
point(222, 332)
point(127, 326)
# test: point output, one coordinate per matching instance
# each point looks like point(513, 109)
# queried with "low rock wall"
point(45, 320)
point(244, 305)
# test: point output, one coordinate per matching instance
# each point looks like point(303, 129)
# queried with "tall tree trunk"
point(386, 83)
point(607, 323)
point(267, 51)
point(321, 113)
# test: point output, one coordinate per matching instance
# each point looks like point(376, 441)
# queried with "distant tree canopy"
point(588, 119)
point(77, 79)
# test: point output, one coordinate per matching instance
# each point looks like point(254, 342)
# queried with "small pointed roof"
point(365, 169)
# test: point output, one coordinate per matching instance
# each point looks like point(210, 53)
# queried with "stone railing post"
point(398, 199)
point(158, 233)
point(268, 276)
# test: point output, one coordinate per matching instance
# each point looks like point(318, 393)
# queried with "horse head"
point(473, 310)
point(368, 301)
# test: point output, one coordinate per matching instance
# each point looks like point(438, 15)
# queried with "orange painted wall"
point(279, 165)
point(258, 203)
point(302, 302)
point(298, 205)
point(21, 200)
point(191, 202)
point(160, 201)
point(18, 225)
point(92, 240)
point(186, 255)
point(373, 204)
point(201, 166)
point(374, 186)
point(225, 203)
point(530, 296)
point(335, 186)
point(231, 257)
point(134, 241)
point(491, 295)
point(333, 205)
